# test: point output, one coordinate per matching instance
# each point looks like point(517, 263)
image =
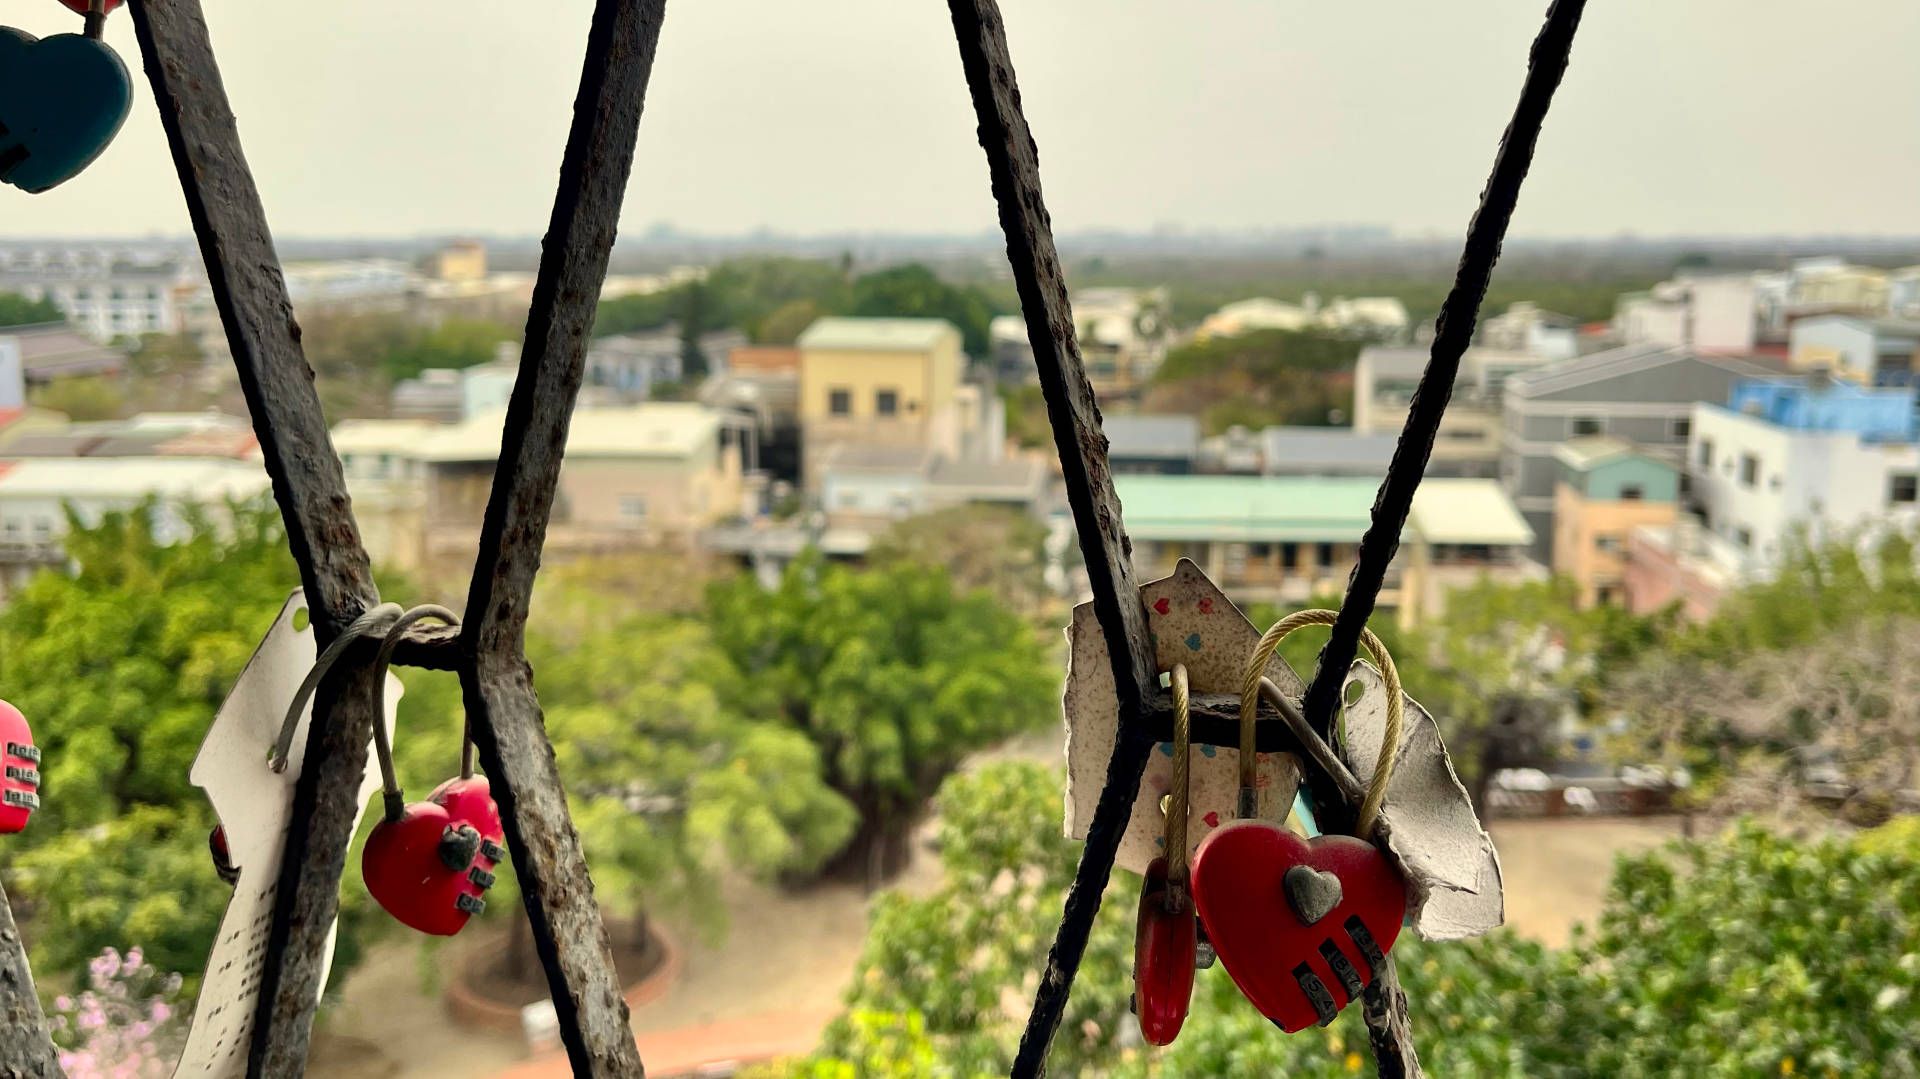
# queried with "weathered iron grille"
point(244, 274)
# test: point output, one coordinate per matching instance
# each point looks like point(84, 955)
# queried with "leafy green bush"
point(1752, 954)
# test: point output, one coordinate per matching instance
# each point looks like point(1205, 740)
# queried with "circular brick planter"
point(470, 1008)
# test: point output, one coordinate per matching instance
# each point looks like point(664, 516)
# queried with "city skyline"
point(1701, 119)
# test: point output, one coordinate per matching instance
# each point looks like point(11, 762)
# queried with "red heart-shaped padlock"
point(1301, 927)
point(430, 867)
point(471, 799)
point(79, 7)
point(19, 771)
point(1165, 939)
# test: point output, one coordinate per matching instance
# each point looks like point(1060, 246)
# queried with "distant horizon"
point(1709, 118)
point(1357, 235)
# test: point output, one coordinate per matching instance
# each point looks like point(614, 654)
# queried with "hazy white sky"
point(377, 117)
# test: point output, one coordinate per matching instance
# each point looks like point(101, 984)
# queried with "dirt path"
point(1556, 871)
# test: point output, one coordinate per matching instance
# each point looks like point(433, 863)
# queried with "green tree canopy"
point(1259, 378)
point(914, 291)
point(774, 299)
point(90, 397)
point(17, 310)
point(668, 781)
point(891, 672)
point(120, 668)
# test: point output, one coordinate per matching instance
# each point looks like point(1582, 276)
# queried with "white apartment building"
point(37, 493)
point(1525, 327)
point(1821, 459)
point(104, 299)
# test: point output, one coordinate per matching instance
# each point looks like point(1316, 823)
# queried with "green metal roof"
point(1260, 509)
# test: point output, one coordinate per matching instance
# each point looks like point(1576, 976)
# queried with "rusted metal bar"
point(26, 1049)
point(1215, 721)
point(432, 648)
point(1385, 1003)
point(1014, 165)
point(244, 275)
point(508, 728)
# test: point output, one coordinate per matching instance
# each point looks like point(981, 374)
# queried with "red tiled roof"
point(763, 359)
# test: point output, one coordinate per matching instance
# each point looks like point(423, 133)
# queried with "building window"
point(1749, 470)
point(1903, 487)
point(886, 402)
point(1586, 425)
point(1607, 542)
point(840, 402)
point(1743, 536)
point(633, 507)
point(1323, 555)
point(1632, 492)
point(1261, 551)
point(1682, 427)
point(1706, 453)
point(1289, 555)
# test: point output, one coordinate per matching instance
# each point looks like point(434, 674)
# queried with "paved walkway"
point(707, 1050)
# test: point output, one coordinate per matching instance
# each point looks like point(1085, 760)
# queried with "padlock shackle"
point(1367, 811)
point(1177, 794)
point(394, 802)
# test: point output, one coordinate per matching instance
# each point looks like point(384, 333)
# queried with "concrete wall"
point(1839, 343)
point(1590, 540)
point(1824, 482)
point(1723, 314)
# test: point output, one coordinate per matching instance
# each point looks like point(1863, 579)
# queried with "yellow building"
point(462, 260)
point(891, 382)
point(1607, 488)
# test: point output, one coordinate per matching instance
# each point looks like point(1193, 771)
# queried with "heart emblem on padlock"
point(62, 100)
point(430, 867)
point(1165, 941)
point(19, 771)
point(1301, 926)
point(79, 7)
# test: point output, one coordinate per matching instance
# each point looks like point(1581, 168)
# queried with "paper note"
point(1433, 834)
point(254, 805)
point(1194, 624)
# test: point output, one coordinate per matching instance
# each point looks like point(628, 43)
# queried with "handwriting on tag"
point(254, 805)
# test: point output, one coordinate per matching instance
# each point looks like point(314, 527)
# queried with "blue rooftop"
point(1876, 414)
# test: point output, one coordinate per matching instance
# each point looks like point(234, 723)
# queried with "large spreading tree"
point(892, 673)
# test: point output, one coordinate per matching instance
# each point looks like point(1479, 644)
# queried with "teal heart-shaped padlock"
point(62, 100)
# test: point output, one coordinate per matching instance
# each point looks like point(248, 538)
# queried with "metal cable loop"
point(394, 802)
point(1177, 796)
point(1368, 813)
point(374, 621)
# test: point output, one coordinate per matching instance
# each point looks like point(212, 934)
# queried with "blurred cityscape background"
point(798, 635)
